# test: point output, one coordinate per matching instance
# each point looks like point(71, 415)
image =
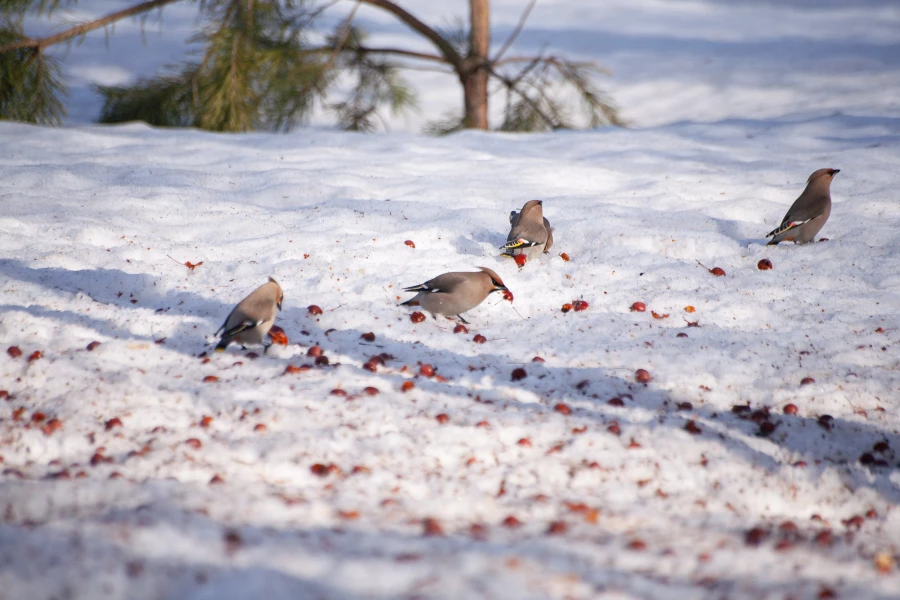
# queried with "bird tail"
point(787, 225)
point(223, 343)
point(519, 243)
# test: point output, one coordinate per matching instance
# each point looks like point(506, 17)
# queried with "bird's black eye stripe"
point(496, 283)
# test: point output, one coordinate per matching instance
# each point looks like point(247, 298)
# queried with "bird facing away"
point(252, 318)
point(808, 213)
point(452, 294)
point(530, 233)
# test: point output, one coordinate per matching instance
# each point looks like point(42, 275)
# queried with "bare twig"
point(343, 39)
point(516, 31)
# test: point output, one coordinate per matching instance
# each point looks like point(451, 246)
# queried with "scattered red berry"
point(511, 522)
point(692, 428)
point(410, 243)
point(14, 351)
point(278, 336)
point(479, 339)
point(764, 265)
point(580, 305)
point(210, 379)
point(566, 307)
point(426, 370)
point(807, 381)
point(519, 374)
point(417, 317)
point(638, 307)
point(520, 260)
point(368, 337)
point(92, 346)
point(442, 418)
point(460, 328)
point(314, 310)
point(642, 376)
point(790, 409)
point(407, 386)
point(564, 256)
point(113, 423)
point(563, 408)
point(432, 527)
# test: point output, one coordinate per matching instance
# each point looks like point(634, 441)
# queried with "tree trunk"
point(474, 77)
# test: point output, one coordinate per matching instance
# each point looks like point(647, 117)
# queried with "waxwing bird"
point(808, 213)
point(530, 233)
point(452, 294)
point(252, 318)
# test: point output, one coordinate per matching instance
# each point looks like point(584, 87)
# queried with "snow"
point(97, 223)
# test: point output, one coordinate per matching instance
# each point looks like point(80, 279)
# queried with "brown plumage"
point(530, 233)
point(452, 294)
point(253, 317)
point(808, 213)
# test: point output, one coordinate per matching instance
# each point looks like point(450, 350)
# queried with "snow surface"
point(91, 217)
point(612, 502)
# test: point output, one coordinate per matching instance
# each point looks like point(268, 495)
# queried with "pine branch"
point(31, 88)
point(79, 30)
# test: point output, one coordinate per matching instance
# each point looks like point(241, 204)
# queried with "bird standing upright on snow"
point(253, 317)
point(808, 213)
point(530, 232)
point(452, 294)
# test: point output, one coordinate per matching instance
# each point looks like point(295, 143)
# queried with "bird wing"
point(525, 234)
point(442, 283)
point(242, 326)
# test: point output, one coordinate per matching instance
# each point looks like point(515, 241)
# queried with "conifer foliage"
point(266, 64)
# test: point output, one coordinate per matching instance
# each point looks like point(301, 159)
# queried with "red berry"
point(638, 307)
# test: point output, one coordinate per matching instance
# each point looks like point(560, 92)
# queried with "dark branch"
point(513, 87)
point(401, 52)
point(450, 54)
point(41, 43)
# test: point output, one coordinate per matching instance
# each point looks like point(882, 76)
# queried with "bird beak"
point(278, 305)
point(835, 172)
